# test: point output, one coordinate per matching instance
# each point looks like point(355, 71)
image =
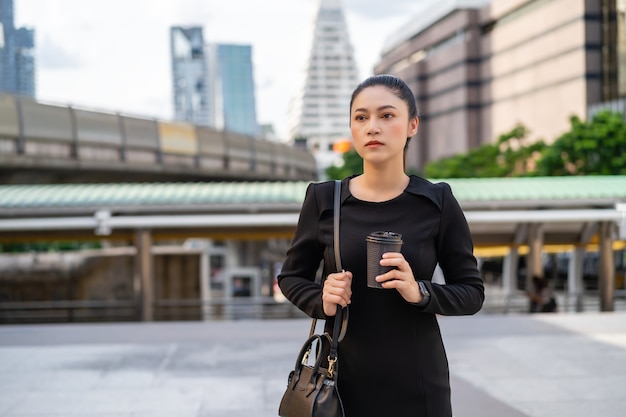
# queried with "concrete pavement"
point(551, 365)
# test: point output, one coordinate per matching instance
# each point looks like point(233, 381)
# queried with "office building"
point(192, 100)
point(479, 67)
point(232, 79)
point(213, 84)
point(319, 112)
point(17, 49)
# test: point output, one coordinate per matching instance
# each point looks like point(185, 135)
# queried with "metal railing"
point(239, 308)
point(252, 308)
point(67, 311)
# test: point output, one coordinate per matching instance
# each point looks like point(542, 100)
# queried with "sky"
point(114, 55)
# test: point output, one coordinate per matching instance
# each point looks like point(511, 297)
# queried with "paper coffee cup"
point(377, 244)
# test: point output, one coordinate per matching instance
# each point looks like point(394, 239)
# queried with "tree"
point(352, 164)
point(595, 147)
point(510, 156)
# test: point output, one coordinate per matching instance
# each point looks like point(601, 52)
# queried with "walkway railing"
point(61, 311)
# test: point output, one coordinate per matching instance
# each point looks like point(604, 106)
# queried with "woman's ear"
point(413, 125)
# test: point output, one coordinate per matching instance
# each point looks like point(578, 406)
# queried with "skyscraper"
point(481, 67)
point(234, 77)
point(192, 102)
point(17, 61)
point(213, 84)
point(319, 112)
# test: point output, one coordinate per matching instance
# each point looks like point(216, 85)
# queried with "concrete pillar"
point(509, 275)
point(534, 265)
point(144, 274)
point(234, 251)
point(606, 267)
point(575, 286)
point(511, 263)
point(204, 277)
point(621, 208)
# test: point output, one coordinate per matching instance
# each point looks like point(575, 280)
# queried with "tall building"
point(620, 23)
point(479, 67)
point(213, 84)
point(17, 60)
point(192, 102)
point(232, 78)
point(438, 54)
point(319, 113)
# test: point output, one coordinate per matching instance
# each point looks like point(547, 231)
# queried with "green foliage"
point(47, 246)
point(595, 147)
point(352, 164)
point(510, 156)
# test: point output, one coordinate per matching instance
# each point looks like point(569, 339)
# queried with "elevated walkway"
point(44, 143)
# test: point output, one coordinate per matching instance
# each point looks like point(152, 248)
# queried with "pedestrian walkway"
point(551, 365)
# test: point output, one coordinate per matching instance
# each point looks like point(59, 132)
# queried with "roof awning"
point(495, 208)
point(483, 224)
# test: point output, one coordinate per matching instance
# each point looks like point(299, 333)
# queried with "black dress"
point(392, 360)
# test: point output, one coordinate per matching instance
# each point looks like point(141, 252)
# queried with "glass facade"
point(621, 45)
point(17, 61)
point(236, 81)
point(189, 75)
point(213, 84)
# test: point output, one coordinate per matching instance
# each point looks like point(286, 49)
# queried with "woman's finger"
point(338, 288)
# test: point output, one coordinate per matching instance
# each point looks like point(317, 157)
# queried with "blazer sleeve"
point(297, 277)
point(464, 292)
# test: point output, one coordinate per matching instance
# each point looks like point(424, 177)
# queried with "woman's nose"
point(372, 127)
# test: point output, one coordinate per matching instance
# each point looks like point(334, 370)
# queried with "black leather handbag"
point(312, 388)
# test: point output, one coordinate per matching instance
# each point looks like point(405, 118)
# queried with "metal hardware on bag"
point(305, 358)
point(331, 366)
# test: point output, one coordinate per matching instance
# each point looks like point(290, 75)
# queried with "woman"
point(392, 360)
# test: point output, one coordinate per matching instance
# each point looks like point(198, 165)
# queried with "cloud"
point(53, 56)
point(114, 54)
point(376, 9)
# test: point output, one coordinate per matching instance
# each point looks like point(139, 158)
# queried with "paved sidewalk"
point(554, 365)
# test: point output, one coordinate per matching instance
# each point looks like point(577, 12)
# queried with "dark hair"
point(396, 86)
point(393, 83)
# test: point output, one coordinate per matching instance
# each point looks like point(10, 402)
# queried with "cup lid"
point(384, 237)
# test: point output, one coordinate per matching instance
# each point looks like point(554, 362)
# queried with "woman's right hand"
point(337, 291)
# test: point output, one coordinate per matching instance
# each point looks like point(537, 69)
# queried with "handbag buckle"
point(305, 358)
point(331, 365)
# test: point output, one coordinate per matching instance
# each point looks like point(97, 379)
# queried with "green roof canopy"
point(251, 196)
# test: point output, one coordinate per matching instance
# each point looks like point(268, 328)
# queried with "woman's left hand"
point(401, 278)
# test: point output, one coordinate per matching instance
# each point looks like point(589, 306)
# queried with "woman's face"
point(380, 125)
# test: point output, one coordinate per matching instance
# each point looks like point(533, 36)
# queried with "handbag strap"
point(341, 317)
point(336, 208)
point(342, 313)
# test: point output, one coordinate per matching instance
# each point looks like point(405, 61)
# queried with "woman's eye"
point(387, 116)
point(359, 117)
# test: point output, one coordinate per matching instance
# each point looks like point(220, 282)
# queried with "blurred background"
point(154, 155)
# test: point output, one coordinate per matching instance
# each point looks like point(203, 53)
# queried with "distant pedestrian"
point(542, 299)
point(392, 360)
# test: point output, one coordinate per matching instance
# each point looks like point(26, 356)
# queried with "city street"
point(554, 365)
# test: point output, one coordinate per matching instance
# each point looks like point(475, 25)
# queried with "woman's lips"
point(373, 143)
